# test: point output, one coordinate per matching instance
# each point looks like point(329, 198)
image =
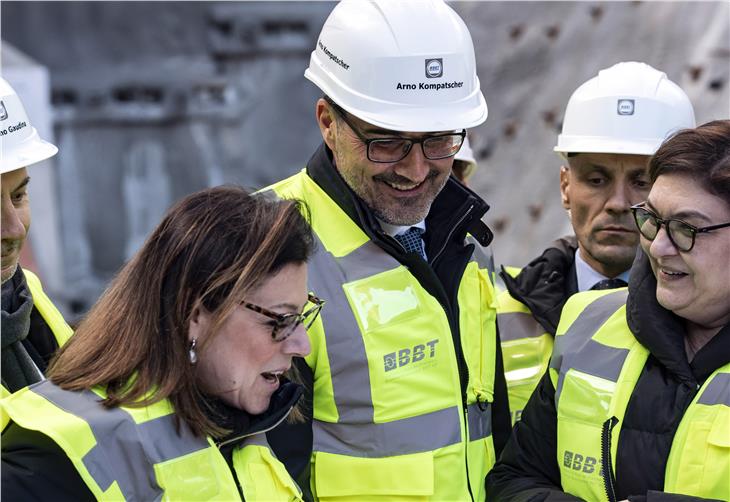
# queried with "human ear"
point(565, 186)
point(326, 122)
point(197, 324)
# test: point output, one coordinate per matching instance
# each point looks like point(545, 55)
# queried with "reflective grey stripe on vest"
point(483, 256)
point(400, 437)
point(125, 451)
point(480, 420)
point(345, 346)
point(256, 440)
point(518, 325)
point(576, 349)
point(717, 391)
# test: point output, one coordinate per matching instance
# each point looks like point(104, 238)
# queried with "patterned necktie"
point(609, 284)
point(411, 241)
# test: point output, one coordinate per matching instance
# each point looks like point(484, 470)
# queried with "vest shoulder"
point(608, 300)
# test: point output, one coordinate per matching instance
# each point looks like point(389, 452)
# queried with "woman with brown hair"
point(169, 383)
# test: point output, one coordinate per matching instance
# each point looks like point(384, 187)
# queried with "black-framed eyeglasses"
point(680, 233)
point(386, 150)
point(286, 324)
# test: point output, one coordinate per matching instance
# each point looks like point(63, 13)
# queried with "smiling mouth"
point(672, 273)
point(405, 187)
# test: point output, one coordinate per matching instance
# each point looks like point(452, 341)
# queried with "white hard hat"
point(20, 144)
point(629, 108)
point(405, 65)
point(466, 156)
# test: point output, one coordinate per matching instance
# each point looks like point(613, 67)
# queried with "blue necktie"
point(411, 241)
point(610, 284)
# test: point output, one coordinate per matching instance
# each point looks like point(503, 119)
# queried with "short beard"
point(12, 273)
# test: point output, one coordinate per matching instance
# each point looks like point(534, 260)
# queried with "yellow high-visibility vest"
point(595, 367)
point(130, 453)
point(50, 314)
point(389, 419)
point(526, 350)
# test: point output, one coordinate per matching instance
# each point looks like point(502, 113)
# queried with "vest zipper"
point(451, 232)
point(609, 480)
point(267, 429)
point(466, 449)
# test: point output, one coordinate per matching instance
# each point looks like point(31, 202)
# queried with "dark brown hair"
point(211, 249)
point(702, 153)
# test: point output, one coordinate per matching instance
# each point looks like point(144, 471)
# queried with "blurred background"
point(149, 101)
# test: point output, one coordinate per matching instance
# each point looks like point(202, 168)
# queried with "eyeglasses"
point(681, 234)
point(434, 146)
point(285, 324)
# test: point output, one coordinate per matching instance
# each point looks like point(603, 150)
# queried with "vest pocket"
point(196, 476)
point(703, 457)
point(401, 478)
point(262, 476)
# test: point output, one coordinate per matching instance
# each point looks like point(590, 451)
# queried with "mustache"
point(395, 178)
point(626, 221)
point(10, 246)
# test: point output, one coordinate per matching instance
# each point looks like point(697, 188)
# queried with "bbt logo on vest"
point(582, 463)
point(407, 356)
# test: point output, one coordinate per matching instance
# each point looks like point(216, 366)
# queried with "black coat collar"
point(546, 283)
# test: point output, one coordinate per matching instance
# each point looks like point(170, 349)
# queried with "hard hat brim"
point(607, 145)
point(31, 152)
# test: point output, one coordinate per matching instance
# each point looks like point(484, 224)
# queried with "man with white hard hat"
point(409, 399)
point(613, 123)
point(32, 328)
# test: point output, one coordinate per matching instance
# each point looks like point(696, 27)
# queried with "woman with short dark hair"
point(636, 403)
point(171, 380)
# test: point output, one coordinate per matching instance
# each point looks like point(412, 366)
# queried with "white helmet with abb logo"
point(629, 108)
point(20, 144)
point(405, 65)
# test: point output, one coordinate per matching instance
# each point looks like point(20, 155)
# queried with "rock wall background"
point(153, 100)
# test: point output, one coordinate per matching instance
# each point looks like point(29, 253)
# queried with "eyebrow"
point(591, 167)
point(686, 213)
point(22, 184)
point(289, 306)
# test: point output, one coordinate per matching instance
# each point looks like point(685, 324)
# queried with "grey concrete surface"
point(153, 100)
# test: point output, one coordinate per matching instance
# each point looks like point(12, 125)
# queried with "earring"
point(191, 351)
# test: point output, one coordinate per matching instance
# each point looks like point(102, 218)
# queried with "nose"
point(297, 345)
point(414, 166)
point(661, 246)
point(12, 227)
point(619, 200)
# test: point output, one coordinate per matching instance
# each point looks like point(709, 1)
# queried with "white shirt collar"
point(394, 230)
point(587, 275)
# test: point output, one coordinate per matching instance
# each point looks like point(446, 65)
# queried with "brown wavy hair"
point(212, 248)
point(702, 153)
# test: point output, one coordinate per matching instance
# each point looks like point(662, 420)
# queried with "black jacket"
point(528, 469)
point(546, 283)
point(455, 211)
point(34, 467)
